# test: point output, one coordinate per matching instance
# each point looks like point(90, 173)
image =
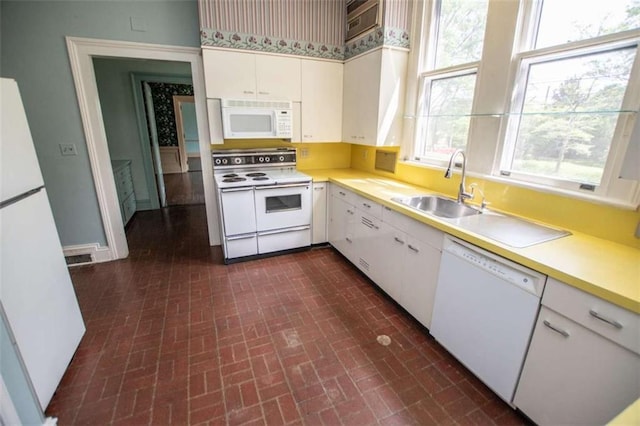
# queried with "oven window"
point(279, 203)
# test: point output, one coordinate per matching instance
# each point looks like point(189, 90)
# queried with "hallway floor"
point(184, 188)
point(176, 337)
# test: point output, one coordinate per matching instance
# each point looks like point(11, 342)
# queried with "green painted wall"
point(33, 51)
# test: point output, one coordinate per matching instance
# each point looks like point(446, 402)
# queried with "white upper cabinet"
point(374, 86)
point(239, 75)
point(321, 101)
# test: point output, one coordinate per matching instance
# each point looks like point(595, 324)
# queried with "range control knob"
point(217, 161)
point(224, 161)
point(237, 160)
point(267, 159)
point(261, 159)
point(281, 158)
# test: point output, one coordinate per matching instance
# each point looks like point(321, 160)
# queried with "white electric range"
point(265, 204)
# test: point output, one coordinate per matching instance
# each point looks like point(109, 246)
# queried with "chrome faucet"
point(462, 194)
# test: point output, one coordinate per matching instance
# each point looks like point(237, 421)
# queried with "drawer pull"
point(348, 240)
point(609, 321)
point(556, 329)
point(398, 240)
point(342, 193)
point(413, 248)
point(367, 205)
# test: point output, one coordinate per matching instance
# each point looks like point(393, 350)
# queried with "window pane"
point(562, 21)
point(569, 115)
point(460, 32)
point(446, 125)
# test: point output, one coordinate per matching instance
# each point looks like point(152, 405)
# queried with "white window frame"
point(432, 21)
point(611, 188)
point(426, 79)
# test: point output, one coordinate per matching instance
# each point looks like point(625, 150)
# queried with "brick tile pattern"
point(176, 337)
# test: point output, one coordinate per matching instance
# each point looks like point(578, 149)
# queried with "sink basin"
point(437, 206)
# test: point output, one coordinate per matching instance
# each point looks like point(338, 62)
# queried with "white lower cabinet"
point(575, 373)
point(342, 226)
point(319, 219)
point(401, 255)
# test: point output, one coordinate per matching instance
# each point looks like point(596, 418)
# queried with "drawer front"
point(418, 230)
point(608, 320)
point(241, 245)
point(343, 194)
point(128, 208)
point(368, 206)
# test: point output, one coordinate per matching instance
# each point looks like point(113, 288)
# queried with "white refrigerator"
point(36, 293)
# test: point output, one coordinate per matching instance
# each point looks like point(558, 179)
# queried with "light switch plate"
point(68, 149)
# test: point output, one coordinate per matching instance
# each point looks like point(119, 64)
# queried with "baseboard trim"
point(97, 252)
point(143, 204)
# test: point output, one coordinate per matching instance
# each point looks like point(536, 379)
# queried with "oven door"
point(283, 206)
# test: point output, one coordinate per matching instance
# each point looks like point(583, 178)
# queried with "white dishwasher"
point(484, 313)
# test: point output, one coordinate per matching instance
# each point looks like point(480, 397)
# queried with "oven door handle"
point(291, 185)
point(244, 188)
point(241, 237)
point(282, 231)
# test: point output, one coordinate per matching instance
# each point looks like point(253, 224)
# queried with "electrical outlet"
point(364, 154)
point(304, 153)
point(638, 230)
point(68, 149)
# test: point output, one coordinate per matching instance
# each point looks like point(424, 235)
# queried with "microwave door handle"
point(292, 185)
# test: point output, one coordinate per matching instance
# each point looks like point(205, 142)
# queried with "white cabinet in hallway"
point(240, 75)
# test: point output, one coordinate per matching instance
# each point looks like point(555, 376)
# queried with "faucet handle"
point(474, 187)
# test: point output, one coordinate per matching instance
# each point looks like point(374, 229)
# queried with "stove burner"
point(230, 175)
point(234, 179)
point(260, 178)
point(256, 174)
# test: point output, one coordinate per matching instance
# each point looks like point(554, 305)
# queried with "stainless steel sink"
point(437, 206)
point(510, 230)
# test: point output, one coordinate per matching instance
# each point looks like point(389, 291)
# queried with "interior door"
point(155, 146)
point(187, 129)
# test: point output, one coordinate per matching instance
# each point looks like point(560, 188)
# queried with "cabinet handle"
point(247, 92)
point(376, 226)
point(556, 329)
point(609, 321)
point(348, 239)
point(349, 211)
point(342, 193)
point(318, 188)
point(367, 205)
point(263, 93)
point(414, 248)
point(398, 240)
point(308, 136)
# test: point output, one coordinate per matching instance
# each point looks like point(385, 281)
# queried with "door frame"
point(81, 51)
point(145, 144)
point(178, 100)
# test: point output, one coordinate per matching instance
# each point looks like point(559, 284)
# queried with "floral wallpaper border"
point(261, 43)
point(383, 36)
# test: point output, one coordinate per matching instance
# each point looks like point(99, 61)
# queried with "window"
point(447, 84)
point(574, 94)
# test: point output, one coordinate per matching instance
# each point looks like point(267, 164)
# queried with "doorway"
point(81, 52)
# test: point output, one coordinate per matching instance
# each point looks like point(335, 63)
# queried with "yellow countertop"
point(603, 268)
point(629, 417)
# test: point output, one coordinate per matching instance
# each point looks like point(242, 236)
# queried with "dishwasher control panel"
point(525, 278)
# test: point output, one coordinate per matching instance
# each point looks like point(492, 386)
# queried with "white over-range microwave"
point(255, 119)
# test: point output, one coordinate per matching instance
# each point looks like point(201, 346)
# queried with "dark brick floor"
point(176, 337)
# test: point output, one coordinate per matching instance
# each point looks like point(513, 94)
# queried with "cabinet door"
point(577, 378)
point(229, 74)
point(368, 245)
point(319, 228)
point(321, 101)
point(394, 246)
point(421, 266)
point(341, 226)
point(360, 100)
point(277, 77)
